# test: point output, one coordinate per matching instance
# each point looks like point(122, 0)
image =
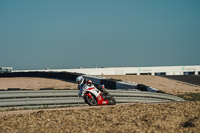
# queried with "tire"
point(112, 101)
point(90, 101)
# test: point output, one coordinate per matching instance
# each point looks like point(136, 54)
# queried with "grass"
point(190, 96)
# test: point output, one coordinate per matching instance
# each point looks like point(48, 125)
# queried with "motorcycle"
point(95, 97)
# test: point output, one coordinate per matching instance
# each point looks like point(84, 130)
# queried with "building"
point(158, 70)
point(6, 69)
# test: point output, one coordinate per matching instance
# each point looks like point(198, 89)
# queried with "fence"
point(63, 98)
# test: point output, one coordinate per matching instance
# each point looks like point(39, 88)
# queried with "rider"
point(81, 81)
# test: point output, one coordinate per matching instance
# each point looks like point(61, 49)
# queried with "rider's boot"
point(106, 96)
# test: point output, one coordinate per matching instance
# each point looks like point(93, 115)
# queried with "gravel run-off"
point(137, 117)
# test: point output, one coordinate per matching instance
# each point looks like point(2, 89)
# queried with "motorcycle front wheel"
point(90, 101)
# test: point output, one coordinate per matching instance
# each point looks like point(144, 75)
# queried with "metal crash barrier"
point(64, 98)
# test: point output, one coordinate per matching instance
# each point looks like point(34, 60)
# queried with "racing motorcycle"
point(95, 97)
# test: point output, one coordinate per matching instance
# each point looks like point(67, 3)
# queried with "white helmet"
point(79, 80)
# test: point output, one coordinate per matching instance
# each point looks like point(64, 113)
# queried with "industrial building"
point(6, 69)
point(158, 70)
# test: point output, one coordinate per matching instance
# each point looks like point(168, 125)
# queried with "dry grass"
point(157, 117)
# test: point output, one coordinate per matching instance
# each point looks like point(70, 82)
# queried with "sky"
point(39, 34)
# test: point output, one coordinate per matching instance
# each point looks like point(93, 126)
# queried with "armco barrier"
point(63, 98)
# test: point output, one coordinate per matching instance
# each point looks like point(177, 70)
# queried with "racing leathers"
point(89, 82)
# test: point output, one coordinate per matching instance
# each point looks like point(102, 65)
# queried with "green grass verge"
point(190, 96)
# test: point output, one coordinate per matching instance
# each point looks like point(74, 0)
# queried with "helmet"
point(79, 80)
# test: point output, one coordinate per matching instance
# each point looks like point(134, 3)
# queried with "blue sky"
point(38, 34)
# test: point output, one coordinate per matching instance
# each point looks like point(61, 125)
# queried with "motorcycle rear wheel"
point(112, 101)
point(90, 101)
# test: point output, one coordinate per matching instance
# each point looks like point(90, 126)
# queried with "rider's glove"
point(102, 86)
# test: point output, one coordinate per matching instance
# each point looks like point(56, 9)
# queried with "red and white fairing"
point(97, 93)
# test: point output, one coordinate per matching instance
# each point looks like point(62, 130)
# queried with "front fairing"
point(92, 89)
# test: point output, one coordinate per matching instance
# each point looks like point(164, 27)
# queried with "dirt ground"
point(138, 117)
point(35, 83)
point(167, 85)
